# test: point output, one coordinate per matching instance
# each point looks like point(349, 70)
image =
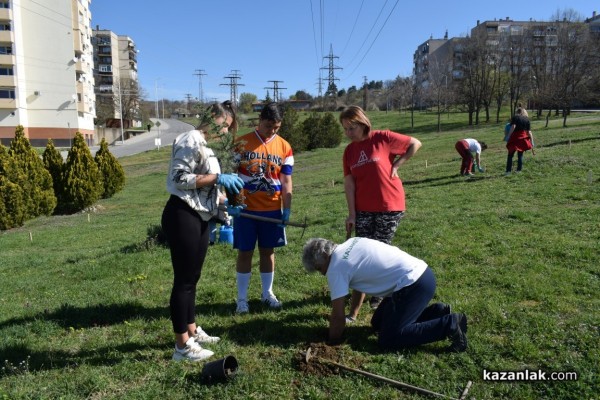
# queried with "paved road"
point(169, 129)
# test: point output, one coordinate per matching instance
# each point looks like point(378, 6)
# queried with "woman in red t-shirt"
point(374, 191)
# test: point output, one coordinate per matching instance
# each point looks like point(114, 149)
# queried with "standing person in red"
point(266, 165)
point(520, 139)
point(374, 191)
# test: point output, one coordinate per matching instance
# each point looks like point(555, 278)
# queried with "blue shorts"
point(246, 232)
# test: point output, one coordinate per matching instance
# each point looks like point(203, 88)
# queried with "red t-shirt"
point(370, 164)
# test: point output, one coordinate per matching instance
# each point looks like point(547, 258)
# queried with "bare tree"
point(574, 60)
point(474, 70)
point(437, 88)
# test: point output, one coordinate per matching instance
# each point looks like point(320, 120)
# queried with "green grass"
point(84, 298)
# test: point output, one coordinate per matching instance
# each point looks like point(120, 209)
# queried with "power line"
point(312, 17)
point(368, 34)
point(353, 27)
point(373, 42)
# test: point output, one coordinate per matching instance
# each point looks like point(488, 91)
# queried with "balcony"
point(6, 14)
point(8, 104)
point(7, 81)
point(7, 36)
point(7, 59)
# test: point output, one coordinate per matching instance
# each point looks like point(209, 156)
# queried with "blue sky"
point(287, 40)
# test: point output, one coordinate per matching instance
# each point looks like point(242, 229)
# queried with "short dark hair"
point(271, 112)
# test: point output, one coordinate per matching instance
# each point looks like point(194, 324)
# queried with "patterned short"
point(378, 225)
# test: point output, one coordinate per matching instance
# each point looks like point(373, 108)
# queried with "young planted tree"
point(53, 162)
point(31, 176)
point(322, 131)
point(291, 130)
point(82, 181)
point(112, 172)
point(12, 205)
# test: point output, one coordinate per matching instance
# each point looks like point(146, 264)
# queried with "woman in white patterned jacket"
point(193, 181)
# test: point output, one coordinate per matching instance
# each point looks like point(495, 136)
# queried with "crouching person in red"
point(405, 318)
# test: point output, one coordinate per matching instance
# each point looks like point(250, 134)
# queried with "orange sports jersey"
point(261, 163)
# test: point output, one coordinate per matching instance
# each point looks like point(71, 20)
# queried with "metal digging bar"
point(276, 221)
point(309, 356)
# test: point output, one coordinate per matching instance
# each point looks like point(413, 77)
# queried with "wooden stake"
point(30, 237)
point(425, 163)
point(88, 217)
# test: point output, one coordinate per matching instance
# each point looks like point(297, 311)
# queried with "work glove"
point(285, 217)
point(480, 169)
point(235, 211)
point(231, 182)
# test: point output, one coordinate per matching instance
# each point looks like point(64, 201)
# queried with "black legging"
point(509, 161)
point(187, 235)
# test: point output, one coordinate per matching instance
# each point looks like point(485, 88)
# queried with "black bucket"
point(225, 368)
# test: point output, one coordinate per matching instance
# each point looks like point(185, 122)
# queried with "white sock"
point(266, 279)
point(243, 282)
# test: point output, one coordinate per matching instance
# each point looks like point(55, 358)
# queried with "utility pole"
point(188, 97)
point(156, 97)
point(365, 93)
point(200, 73)
point(331, 92)
point(276, 90)
point(233, 85)
point(320, 91)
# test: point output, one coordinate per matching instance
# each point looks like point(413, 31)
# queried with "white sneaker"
point(192, 352)
point(271, 301)
point(202, 337)
point(242, 307)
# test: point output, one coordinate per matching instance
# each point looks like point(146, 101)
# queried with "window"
point(4, 4)
point(5, 49)
point(105, 68)
point(6, 70)
point(4, 27)
point(7, 93)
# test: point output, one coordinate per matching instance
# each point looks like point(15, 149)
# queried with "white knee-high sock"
point(243, 282)
point(266, 279)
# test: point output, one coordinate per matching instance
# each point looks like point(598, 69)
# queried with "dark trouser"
point(509, 161)
point(405, 319)
point(380, 226)
point(187, 235)
point(462, 146)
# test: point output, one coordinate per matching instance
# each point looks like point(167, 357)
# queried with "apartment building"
point(46, 64)
point(448, 53)
point(116, 77)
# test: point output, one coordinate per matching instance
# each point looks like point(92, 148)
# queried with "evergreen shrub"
point(82, 181)
point(31, 176)
point(113, 175)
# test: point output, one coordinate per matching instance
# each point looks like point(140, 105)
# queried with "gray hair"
point(316, 253)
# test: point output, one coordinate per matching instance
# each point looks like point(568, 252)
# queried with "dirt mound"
point(316, 367)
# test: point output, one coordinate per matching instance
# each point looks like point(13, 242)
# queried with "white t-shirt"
point(474, 146)
point(371, 267)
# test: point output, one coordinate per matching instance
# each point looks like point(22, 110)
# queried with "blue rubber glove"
point(235, 211)
point(231, 182)
point(285, 217)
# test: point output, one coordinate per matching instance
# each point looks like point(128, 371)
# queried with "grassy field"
point(84, 297)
